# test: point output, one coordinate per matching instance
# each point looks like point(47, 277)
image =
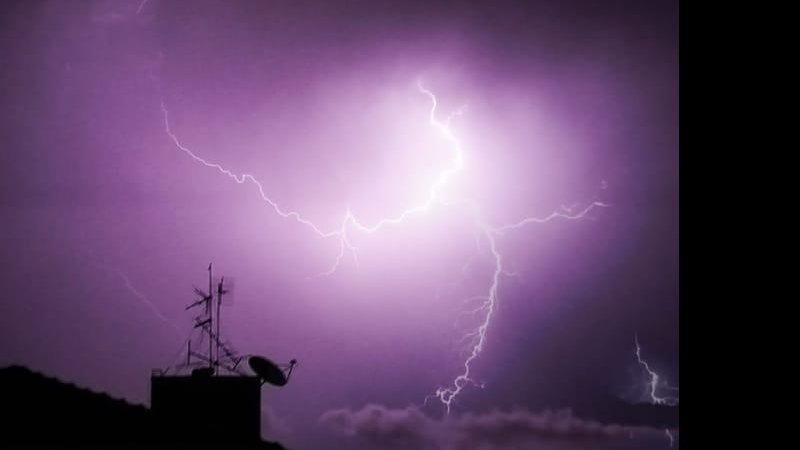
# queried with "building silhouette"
point(46, 412)
point(206, 409)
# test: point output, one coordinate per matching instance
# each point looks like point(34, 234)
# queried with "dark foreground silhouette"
point(45, 412)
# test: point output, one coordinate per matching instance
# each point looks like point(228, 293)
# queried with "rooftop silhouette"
point(46, 411)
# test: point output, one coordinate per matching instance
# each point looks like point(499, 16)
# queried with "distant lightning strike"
point(91, 259)
point(141, 7)
point(143, 298)
point(670, 437)
point(655, 382)
point(350, 222)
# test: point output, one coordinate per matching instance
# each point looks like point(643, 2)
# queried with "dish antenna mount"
point(271, 373)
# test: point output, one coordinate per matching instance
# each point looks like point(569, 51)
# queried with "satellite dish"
point(267, 370)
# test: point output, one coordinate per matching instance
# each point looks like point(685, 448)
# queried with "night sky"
point(556, 106)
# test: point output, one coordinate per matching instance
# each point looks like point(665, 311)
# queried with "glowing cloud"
point(350, 224)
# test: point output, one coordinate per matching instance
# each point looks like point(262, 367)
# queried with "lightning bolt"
point(141, 7)
point(92, 260)
point(143, 298)
point(655, 383)
point(350, 223)
point(669, 436)
point(448, 394)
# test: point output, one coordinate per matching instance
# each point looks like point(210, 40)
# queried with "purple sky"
point(107, 224)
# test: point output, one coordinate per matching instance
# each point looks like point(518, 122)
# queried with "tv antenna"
point(220, 354)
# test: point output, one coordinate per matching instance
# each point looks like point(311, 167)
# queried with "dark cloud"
point(495, 430)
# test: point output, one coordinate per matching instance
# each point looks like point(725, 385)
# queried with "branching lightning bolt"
point(655, 382)
point(670, 437)
point(448, 394)
point(350, 223)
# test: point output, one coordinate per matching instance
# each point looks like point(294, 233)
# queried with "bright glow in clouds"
point(351, 224)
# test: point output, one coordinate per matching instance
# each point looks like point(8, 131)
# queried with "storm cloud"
point(515, 429)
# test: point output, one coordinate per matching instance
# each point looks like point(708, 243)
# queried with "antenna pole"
point(209, 308)
point(219, 302)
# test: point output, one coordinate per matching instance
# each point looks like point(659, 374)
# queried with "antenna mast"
point(226, 357)
point(220, 291)
point(205, 322)
point(209, 311)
